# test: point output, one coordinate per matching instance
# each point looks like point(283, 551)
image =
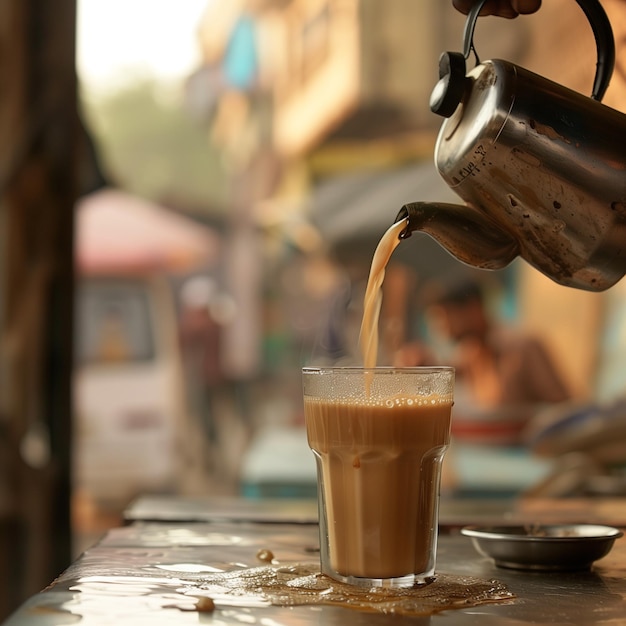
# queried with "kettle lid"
point(449, 90)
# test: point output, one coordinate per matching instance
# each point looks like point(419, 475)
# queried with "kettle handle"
point(602, 31)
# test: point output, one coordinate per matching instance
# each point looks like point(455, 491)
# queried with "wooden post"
point(38, 188)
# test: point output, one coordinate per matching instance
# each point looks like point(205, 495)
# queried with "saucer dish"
point(543, 547)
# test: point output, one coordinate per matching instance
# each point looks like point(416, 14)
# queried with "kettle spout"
point(463, 231)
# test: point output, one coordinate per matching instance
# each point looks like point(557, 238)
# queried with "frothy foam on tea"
point(400, 401)
point(368, 337)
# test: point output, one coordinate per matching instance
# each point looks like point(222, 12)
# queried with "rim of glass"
point(383, 369)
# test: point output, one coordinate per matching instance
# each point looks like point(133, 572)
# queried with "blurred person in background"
point(200, 335)
point(497, 365)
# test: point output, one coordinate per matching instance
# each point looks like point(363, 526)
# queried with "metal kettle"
point(542, 168)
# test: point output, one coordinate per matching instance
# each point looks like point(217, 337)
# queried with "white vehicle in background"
point(128, 390)
point(131, 422)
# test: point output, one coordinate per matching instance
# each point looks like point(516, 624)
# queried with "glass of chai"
point(379, 436)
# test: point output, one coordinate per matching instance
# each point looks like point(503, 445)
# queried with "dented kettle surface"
point(545, 164)
point(542, 168)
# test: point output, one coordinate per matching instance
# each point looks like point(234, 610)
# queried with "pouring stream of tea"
point(368, 336)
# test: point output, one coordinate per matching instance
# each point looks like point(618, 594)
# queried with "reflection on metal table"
point(154, 569)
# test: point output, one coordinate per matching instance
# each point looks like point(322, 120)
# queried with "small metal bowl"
point(544, 547)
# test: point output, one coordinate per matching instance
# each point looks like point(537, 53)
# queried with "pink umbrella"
point(117, 232)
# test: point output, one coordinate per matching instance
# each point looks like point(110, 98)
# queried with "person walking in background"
point(200, 335)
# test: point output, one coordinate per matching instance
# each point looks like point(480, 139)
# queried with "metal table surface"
point(138, 574)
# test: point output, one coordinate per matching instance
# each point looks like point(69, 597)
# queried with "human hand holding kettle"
point(501, 8)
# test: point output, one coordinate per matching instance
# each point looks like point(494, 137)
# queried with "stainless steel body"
point(545, 164)
point(542, 168)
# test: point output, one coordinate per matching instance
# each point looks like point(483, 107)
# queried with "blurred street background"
point(250, 155)
point(254, 153)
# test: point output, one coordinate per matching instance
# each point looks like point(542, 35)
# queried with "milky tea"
point(378, 435)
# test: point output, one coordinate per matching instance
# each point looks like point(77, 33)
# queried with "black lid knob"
point(448, 92)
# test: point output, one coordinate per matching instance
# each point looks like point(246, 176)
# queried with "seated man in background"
point(499, 366)
point(496, 366)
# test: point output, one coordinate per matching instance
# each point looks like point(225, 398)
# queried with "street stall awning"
point(118, 232)
point(352, 212)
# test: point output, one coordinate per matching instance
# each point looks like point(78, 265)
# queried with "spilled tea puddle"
point(295, 585)
point(302, 584)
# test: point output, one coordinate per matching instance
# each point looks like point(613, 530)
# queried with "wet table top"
point(151, 572)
